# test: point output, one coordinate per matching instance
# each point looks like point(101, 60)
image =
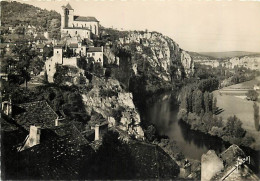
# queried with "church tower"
point(67, 16)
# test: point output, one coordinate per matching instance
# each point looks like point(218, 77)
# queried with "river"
point(163, 114)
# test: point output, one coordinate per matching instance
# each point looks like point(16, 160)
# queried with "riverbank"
point(231, 104)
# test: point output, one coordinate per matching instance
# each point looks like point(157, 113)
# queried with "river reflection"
point(163, 114)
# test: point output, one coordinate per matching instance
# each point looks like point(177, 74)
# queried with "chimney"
point(57, 121)
point(96, 132)
point(34, 136)
point(7, 107)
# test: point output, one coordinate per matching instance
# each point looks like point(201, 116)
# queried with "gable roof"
point(37, 113)
point(87, 19)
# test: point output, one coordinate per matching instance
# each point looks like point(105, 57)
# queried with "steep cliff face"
point(251, 61)
point(156, 53)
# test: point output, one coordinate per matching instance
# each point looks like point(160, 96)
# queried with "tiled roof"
point(82, 18)
point(58, 158)
point(37, 113)
point(152, 162)
point(94, 49)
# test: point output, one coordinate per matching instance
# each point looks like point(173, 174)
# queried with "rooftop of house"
point(94, 49)
point(152, 162)
point(84, 28)
point(37, 113)
point(59, 157)
point(87, 19)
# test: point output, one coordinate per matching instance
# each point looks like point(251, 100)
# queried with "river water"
point(163, 114)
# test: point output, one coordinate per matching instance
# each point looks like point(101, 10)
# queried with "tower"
point(67, 16)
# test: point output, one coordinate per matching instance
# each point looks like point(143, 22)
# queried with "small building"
point(96, 53)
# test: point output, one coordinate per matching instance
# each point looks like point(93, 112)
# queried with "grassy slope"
point(242, 108)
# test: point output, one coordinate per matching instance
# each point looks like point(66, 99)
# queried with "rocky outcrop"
point(187, 63)
point(156, 53)
point(109, 99)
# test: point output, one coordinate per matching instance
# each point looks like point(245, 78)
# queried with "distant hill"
point(15, 14)
point(198, 56)
point(229, 54)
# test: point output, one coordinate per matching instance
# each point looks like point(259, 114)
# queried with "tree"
point(25, 55)
point(36, 66)
point(252, 95)
point(234, 127)
point(60, 74)
point(256, 116)
point(206, 101)
point(214, 105)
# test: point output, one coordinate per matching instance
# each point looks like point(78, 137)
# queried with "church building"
point(72, 25)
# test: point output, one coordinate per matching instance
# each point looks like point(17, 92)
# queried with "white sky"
point(200, 26)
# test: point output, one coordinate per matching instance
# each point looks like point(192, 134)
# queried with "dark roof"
point(94, 49)
point(84, 28)
point(82, 18)
point(151, 161)
point(68, 6)
point(37, 113)
point(57, 158)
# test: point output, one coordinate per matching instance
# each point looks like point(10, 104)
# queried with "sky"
point(200, 26)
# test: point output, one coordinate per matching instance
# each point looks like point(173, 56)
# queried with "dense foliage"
point(256, 116)
point(198, 109)
point(15, 14)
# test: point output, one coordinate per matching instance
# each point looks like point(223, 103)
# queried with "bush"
point(247, 140)
point(252, 95)
point(256, 116)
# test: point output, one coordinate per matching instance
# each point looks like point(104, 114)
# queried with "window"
point(67, 12)
point(67, 32)
point(93, 54)
point(49, 65)
point(57, 51)
point(49, 69)
point(76, 32)
point(88, 55)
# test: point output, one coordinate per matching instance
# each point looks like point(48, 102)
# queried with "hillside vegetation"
point(17, 14)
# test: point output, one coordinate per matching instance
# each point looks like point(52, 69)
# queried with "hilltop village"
point(72, 93)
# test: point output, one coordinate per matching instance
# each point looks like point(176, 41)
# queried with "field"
point(231, 104)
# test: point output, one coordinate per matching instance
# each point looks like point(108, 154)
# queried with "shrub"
point(256, 116)
point(252, 95)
